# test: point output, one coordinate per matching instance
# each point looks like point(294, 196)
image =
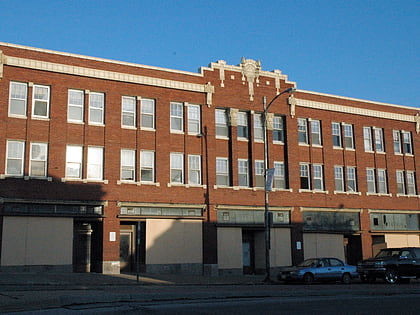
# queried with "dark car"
point(391, 264)
point(319, 269)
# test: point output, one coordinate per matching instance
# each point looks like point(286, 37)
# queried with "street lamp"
point(268, 178)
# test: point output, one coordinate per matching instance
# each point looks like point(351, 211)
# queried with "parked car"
point(319, 269)
point(391, 264)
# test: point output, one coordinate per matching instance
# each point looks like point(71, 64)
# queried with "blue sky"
point(358, 48)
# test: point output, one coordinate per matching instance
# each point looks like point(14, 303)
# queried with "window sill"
point(314, 191)
point(278, 142)
point(38, 177)
point(350, 149)
point(336, 192)
point(148, 129)
point(76, 122)
point(18, 116)
point(408, 196)
point(243, 139)
point(84, 180)
point(4, 176)
point(128, 127)
point(302, 144)
point(40, 118)
point(96, 124)
point(222, 186)
point(177, 132)
point(222, 138)
point(378, 194)
point(130, 182)
point(186, 185)
point(258, 141)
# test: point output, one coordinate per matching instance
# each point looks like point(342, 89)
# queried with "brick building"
point(107, 163)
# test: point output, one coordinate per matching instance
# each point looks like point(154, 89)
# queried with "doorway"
point(353, 249)
point(132, 246)
point(248, 252)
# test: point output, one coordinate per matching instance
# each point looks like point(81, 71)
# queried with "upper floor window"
point(315, 131)
point(177, 117)
point(177, 168)
point(377, 183)
point(18, 99)
point(96, 108)
point(221, 123)
point(38, 160)
point(349, 183)
point(194, 119)
point(305, 180)
point(318, 177)
point(336, 134)
point(147, 115)
point(259, 174)
point(370, 179)
point(279, 175)
point(258, 127)
point(147, 166)
point(15, 157)
point(128, 111)
point(40, 101)
point(243, 173)
point(95, 163)
point(402, 142)
point(373, 139)
point(303, 131)
point(128, 165)
point(194, 169)
point(382, 182)
point(75, 105)
point(222, 172)
point(74, 158)
point(348, 136)
point(406, 183)
point(243, 125)
point(278, 129)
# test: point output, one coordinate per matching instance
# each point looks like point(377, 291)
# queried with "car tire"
point(308, 278)
point(346, 278)
point(391, 276)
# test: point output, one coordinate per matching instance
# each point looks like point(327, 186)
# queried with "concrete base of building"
point(231, 272)
point(179, 269)
point(37, 268)
point(210, 270)
point(111, 267)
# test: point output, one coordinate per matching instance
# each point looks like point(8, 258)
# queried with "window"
point(373, 139)
point(74, 157)
point(147, 115)
point(221, 123)
point(303, 130)
point(396, 138)
point(259, 174)
point(351, 179)
point(370, 179)
point(336, 134)
point(382, 184)
point(407, 145)
point(147, 166)
point(258, 127)
point(406, 185)
point(95, 163)
point(315, 132)
point(222, 172)
point(15, 158)
point(411, 183)
point(279, 175)
point(379, 139)
point(18, 98)
point(367, 139)
point(305, 182)
point(128, 111)
point(194, 119)
point(177, 168)
point(75, 105)
point(40, 101)
point(96, 108)
point(128, 165)
point(339, 178)
point(243, 174)
point(194, 169)
point(243, 125)
point(348, 136)
point(400, 182)
point(278, 129)
point(38, 157)
point(177, 117)
point(318, 177)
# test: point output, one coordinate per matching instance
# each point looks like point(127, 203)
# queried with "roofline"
point(358, 100)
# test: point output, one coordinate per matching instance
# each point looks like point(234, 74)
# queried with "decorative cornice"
point(109, 75)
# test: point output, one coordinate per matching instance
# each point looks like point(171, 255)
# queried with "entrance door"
point(248, 252)
point(353, 249)
point(127, 257)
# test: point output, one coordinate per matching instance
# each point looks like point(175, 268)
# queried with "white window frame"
point(177, 115)
point(348, 136)
point(407, 142)
point(382, 181)
point(17, 159)
point(128, 165)
point(79, 107)
point(13, 98)
point(38, 159)
point(95, 163)
point(303, 131)
point(336, 134)
point(305, 174)
point(411, 183)
point(243, 129)
point(400, 182)
point(243, 173)
point(222, 171)
point(279, 175)
point(367, 139)
point(96, 107)
point(371, 180)
point(74, 157)
point(259, 174)
point(147, 113)
point(351, 179)
point(339, 178)
point(194, 119)
point(379, 139)
point(194, 169)
point(278, 129)
point(128, 111)
point(316, 138)
point(258, 127)
point(147, 165)
point(177, 168)
point(43, 102)
point(396, 140)
point(221, 119)
point(318, 177)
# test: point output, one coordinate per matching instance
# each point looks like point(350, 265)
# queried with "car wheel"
point(367, 278)
point(308, 278)
point(346, 278)
point(391, 276)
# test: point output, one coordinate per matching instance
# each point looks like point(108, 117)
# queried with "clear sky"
point(358, 48)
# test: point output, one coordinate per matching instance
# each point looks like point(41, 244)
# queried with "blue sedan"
point(319, 269)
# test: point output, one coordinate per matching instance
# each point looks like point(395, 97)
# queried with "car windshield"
point(308, 263)
point(388, 253)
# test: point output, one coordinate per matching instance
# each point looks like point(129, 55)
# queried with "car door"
point(322, 269)
point(406, 263)
point(336, 268)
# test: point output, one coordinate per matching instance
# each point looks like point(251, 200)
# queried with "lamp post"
point(267, 185)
